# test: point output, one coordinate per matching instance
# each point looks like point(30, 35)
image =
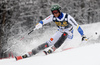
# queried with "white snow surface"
point(84, 53)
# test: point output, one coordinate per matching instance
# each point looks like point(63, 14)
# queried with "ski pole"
point(91, 36)
point(32, 31)
point(28, 33)
point(20, 40)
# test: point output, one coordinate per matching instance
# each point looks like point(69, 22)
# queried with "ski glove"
point(84, 38)
point(38, 26)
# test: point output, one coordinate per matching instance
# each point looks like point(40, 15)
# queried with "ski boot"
point(51, 50)
point(24, 56)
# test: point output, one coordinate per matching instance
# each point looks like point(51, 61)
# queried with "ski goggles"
point(55, 12)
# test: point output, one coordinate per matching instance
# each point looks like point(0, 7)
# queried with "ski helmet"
point(55, 7)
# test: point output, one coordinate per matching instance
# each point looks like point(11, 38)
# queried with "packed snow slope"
point(84, 53)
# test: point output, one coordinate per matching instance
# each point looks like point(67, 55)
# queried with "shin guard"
point(39, 48)
point(61, 40)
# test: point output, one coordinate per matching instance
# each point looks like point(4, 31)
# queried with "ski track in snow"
point(85, 55)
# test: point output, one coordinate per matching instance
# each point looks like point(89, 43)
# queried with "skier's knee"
point(43, 46)
point(39, 48)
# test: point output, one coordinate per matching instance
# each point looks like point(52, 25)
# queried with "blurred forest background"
point(18, 16)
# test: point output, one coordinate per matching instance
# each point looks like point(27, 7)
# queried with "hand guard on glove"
point(84, 38)
point(38, 26)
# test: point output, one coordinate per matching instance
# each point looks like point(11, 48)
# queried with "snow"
point(82, 54)
point(86, 55)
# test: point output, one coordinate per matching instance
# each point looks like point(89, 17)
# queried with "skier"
point(65, 24)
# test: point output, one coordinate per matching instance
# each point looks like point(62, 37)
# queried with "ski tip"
point(18, 58)
point(45, 53)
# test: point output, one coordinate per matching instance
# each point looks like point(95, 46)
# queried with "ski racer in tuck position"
point(65, 24)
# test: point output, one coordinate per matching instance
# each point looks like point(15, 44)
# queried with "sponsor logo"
point(47, 18)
